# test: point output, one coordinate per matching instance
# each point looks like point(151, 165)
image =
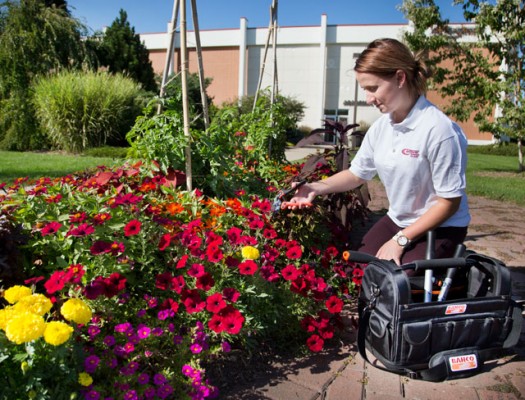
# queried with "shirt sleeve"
point(363, 165)
point(448, 162)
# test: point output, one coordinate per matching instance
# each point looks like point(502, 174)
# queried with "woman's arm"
point(341, 182)
point(432, 218)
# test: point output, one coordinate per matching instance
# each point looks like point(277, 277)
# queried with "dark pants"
point(447, 239)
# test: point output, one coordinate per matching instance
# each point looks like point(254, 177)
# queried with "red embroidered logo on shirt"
point(410, 152)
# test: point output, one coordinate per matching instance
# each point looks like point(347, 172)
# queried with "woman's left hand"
point(390, 251)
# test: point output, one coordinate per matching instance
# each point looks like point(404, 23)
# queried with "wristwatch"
point(401, 239)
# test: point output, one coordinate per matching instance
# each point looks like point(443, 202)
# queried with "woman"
point(418, 153)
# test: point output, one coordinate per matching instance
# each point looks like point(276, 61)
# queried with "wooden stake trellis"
point(272, 35)
point(181, 6)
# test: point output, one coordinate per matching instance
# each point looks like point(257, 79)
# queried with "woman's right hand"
point(303, 197)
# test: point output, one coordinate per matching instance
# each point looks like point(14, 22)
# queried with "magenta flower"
point(159, 379)
point(143, 332)
point(123, 328)
point(109, 340)
point(143, 379)
point(195, 348)
point(51, 228)
point(92, 395)
point(81, 230)
point(91, 364)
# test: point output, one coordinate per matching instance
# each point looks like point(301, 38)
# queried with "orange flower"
point(174, 208)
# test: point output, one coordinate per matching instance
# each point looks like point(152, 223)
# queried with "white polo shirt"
point(418, 160)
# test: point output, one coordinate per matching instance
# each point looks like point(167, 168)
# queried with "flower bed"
point(131, 285)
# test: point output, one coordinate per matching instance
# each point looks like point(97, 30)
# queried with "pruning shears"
point(278, 200)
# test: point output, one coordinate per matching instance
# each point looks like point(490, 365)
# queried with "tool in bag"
point(446, 337)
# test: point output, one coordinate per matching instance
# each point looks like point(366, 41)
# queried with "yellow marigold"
point(57, 333)
point(36, 304)
point(15, 293)
point(5, 315)
point(250, 253)
point(25, 327)
point(77, 311)
point(85, 379)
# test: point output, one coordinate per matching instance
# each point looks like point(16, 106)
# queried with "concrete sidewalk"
point(339, 373)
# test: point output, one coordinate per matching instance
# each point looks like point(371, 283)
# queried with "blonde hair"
point(384, 57)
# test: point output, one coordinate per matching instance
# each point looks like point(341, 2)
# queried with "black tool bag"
point(437, 340)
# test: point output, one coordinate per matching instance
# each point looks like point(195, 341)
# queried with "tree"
point(122, 51)
point(34, 39)
point(488, 72)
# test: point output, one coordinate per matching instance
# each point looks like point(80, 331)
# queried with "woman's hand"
point(303, 197)
point(390, 251)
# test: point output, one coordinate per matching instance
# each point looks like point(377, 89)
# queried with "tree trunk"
point(520, 156)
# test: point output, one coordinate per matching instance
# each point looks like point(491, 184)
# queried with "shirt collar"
point(411, 120)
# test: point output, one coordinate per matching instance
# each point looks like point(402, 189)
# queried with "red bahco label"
point(456, 309)
point(463, 363)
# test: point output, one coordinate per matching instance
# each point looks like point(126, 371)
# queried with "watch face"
point(402, 240)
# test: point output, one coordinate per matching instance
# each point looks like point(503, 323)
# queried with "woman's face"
point(386, 94)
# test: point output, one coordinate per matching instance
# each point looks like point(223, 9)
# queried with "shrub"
point(498, 149)
point(79, 110)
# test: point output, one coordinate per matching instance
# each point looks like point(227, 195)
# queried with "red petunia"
point(56, 282)
point(196, 270)
point(357, 275)
point(205, 282)
point(182, 262)
point(165, 241)
point(51, 228)
point(248, 267)
point(132, 227)
point(269, 233)
point(215, 303)
point(309, 324)
point(290, 273)
point(192, 301)
point(334, 304)
point(256, 224)
point(214, 253)
point(163, 281)
point(232, 320)
point(216, 323)
point(170, 304)
point(234, 235)
point(315, 343)
point(294, 253)
point(177, 284)
point(231, 294)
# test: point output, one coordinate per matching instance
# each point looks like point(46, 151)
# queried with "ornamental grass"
point(133, 286)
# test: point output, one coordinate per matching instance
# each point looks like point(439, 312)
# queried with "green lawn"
point(491, 176)
point(35, 165)
point(495, 177)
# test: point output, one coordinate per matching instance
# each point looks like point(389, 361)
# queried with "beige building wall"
point(314, 65)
